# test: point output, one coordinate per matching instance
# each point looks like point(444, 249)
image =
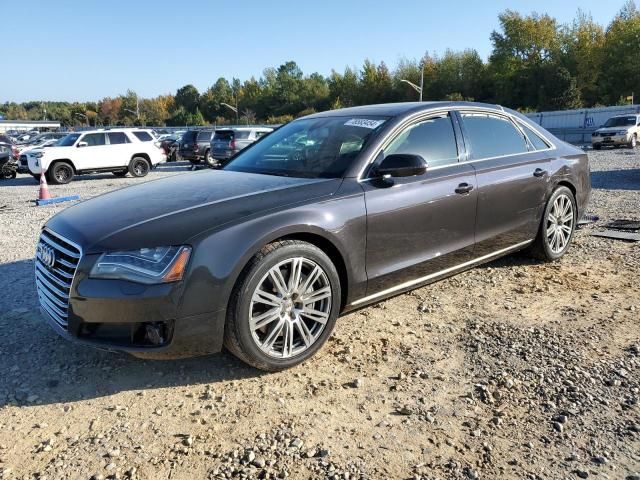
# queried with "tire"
point(61, 173)
point(209, 160)
point(264, 347)
point(547, 246)
point(121, 173)
point(139, 167)
point(597, 146)
point(634, 141)
point(195, 161)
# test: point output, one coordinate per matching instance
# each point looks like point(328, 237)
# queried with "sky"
point(73, 50)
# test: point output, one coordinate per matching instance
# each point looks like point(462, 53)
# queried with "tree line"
point(536, 63)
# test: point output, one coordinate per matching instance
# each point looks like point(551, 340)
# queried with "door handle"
point(464, 188)
point(538, 172)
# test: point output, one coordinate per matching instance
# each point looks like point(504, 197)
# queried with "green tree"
point(188, 98)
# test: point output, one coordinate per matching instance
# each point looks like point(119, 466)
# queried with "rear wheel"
point(283, 307)
point(557, 227)
point(209, 159)
point(139, 167)
point(61, 173)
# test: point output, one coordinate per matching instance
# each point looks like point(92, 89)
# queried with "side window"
point(116, 138)
point(492, 136)
point(260, 134)
point(143, 136)
point(242, 134)
point(535, 139)
point(94, 139)
point(433, 139)
point(204, 136)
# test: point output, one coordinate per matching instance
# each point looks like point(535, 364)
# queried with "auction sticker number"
point(364, 122)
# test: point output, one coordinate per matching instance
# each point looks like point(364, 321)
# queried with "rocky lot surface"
point(515, 369)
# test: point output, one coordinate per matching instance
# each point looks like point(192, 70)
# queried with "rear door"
point(419, 226)
point(512, 178)
point(120, 151)
point(94, 155)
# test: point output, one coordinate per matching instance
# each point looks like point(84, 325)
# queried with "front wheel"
point(557, 227)
point(61, 173)
point(284, 306)
point(633, 143)
point(139, 167)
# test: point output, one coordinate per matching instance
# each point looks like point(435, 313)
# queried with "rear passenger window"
point(116, 138)
point(94, 139)
point(433, 139)
point(242, 134)
point(535, 139)
point(261, 134)
point(143, 136)
point(204, 136)
point(492, 136)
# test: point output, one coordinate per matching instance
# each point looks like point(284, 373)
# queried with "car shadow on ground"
point(39, 367)
point(627, 179)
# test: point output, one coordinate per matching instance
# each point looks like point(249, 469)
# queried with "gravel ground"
point(515, 369)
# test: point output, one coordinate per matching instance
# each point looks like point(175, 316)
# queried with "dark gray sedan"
point(325, 215)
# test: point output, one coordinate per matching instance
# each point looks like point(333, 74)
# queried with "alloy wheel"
point(290, 307)
point(560, 223)
point(63, 174)
point(140, 168)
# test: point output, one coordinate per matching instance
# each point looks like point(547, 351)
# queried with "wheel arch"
point(143, 155)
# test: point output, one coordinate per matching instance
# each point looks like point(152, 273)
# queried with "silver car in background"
point(226, 142)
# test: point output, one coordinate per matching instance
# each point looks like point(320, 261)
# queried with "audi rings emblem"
point(46, 255)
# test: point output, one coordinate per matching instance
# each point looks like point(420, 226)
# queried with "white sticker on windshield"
point(364, 122)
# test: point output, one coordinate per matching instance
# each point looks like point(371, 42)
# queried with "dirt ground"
point(516, 369)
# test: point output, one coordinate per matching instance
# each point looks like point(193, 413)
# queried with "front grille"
point(608, 134)
point(56, 262)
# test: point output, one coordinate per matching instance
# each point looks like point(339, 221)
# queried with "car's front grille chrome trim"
point(54, 281)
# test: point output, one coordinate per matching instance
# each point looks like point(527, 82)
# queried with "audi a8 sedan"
point(325, 215)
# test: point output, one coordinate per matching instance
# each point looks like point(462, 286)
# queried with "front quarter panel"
point(219, 257)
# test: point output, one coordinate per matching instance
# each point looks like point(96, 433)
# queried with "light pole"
point(231, 107)
point(417, 88)
point(137, 111)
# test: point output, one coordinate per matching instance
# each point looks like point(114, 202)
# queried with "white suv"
point(119, 151)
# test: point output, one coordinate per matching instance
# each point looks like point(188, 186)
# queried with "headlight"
point(622, 132)
point(38, 154)
point(147, 265)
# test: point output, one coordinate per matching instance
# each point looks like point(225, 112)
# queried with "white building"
point(27, 125)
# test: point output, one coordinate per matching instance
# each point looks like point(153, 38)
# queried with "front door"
point(419, 226)
point(94, 154)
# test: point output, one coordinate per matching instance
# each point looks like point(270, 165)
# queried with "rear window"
point(224, 135)
point(116, 138)
point(189, 136)
point(143, 136)
point(204, 136)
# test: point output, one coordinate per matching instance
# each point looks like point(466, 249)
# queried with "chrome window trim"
point(426, 114)
point(420, 280)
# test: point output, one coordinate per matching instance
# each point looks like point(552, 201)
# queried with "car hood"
point(612, 129)
point(172, 210)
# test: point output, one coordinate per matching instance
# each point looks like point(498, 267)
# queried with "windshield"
point(68, 141)
point(312, 148)
point(620, 122)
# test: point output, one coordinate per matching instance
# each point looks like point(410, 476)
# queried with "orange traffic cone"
point(44, 188)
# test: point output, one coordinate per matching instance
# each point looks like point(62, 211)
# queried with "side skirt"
point(411, 284)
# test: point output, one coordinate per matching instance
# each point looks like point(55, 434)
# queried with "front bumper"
point(612, 140)
point(143, 320)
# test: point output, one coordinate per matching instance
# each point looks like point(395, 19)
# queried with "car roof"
point(403, 108)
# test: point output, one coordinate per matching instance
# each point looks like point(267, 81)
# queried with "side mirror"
point(82, 144)
point(401, 165)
